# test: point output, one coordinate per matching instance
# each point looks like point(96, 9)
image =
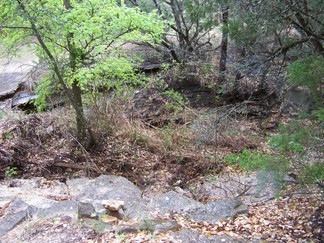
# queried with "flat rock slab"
point(16, 213)
point(109, 188)
point(215, 211)
point(192, 236)
point(9, 83)
point(173, 202)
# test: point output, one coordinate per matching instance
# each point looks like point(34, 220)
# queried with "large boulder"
point(215, 211)
point(9, 83)
point(173, 202)
point(110, 187)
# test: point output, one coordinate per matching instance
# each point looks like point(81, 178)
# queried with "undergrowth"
point(291, 147)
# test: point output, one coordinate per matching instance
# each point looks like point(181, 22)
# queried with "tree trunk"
point(84, 130)
point(224, 43)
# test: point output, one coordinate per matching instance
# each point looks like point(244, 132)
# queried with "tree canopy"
point(80, 41)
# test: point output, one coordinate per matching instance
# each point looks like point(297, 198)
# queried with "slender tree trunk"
point(84, 130)
point(224, 43)
point(238, 73)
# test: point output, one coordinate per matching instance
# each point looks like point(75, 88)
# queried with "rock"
point(15, 213)
point(215, 211)
point(160, 226)
point(248, 186)
point(113, 205)
point(174, 202)
point(86, 210)
point(110, 188)
point(60, 209)
point(44, 192)
point(298, 100)
point(22, 99)
point(9, 83)
point(128, 229)
point(118, 214)
point(108, 219)
point(192, 236)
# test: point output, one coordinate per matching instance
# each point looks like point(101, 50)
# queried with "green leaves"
point(309, 73)
point(84, 40)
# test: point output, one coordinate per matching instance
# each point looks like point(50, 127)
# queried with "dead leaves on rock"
point(288, 219)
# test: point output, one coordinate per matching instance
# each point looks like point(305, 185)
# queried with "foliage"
point(271, 169)
point(309, 73)
point(319, 114)
point(251, 161)
point(311, 173)
point(11, 172)
point(80, 41)
point(177, 102)
point(293, 137)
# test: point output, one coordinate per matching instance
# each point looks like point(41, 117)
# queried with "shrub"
point(312, 173)
point(309, 73)
point(271, 169)
point(293, 138)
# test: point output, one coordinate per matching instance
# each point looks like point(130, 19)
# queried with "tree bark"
point(224, 43)
point(84, 130)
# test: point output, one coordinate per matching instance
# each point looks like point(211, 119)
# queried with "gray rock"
point(128, 229)
point(86, 210)
point(192, 236)
point(66, 208)
point(23, 98)
point(9, 83)
point(215, 211)
point(16, 213)
point(173, 202)
point(10, 221)
point(160, 226)
point(109, 187)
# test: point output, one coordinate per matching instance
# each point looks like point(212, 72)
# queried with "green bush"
point(293, 138)
point(251, 161)
point(311, 173)
point(177, 101)
point(309, 73)
point(271, 169)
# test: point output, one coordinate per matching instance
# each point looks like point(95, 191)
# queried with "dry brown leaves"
point(289, 219)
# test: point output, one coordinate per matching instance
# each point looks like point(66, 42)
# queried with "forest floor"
point(159, 149)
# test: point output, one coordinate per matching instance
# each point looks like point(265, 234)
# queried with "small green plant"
point(319, 114)
point(121, 237)
point(147, 226)
point(271, 169)
point(248, 160)
point(309, 73)
point(177, 101)
point(293, 137)
point(312, 173)
point(11, 172)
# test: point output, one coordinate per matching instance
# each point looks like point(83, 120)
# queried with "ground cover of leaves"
point(293, 218)
point(38, 147)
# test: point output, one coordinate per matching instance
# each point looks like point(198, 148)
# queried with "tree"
point(80, 41)
point(268, 35)
point(189, 25)
point(224, 44)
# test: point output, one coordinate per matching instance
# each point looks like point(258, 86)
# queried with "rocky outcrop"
point(103, 201)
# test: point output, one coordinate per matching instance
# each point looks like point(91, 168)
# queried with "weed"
point(293, 138)
point(177, 101)
point(11, 172)
point(173, 137)
point(271, 169)
point(147, 225)
point(312, 173)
